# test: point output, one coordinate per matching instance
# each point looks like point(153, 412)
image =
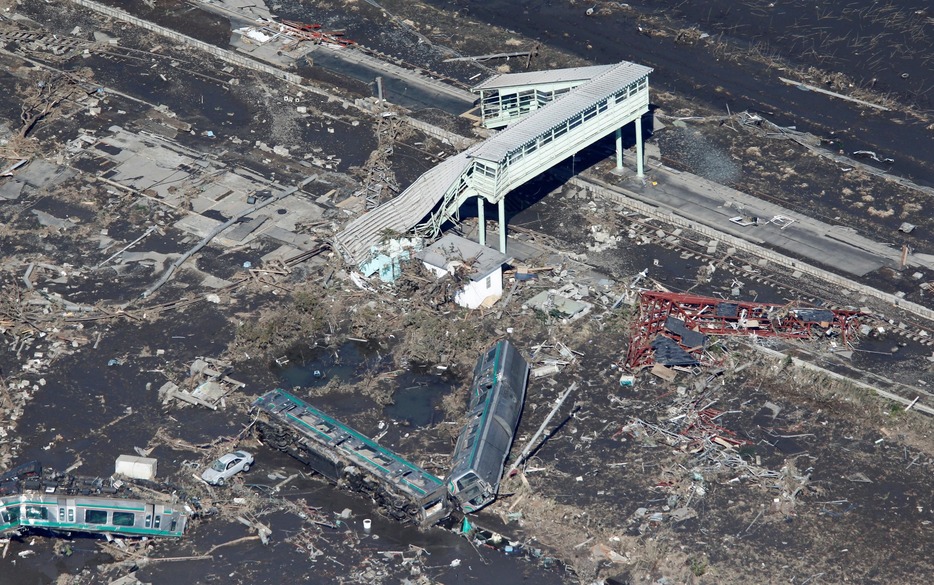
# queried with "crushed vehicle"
point(497, 396)
point(350, 459)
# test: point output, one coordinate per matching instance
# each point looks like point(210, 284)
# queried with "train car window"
point(71, 515)
point(148, 520)
point(174, 525)
point(95, 517)
point(124, 519)
point(61, 514)
point(467, 480)
point(37, 513)
point(158, 521)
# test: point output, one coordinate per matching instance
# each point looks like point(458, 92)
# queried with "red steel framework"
point(713, 316)
point(313, 33)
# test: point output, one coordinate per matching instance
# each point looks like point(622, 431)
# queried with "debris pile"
point(673, 329)
point(548, 363)
point(207, 384)
point(710, 452)
point(380, 183)
point(294, 32)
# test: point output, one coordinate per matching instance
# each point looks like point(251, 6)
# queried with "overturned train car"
point(497, 395)
point(350, 459)
point(31, 499)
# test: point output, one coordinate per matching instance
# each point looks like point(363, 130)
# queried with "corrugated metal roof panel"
point(542, 77)
point(403, 212)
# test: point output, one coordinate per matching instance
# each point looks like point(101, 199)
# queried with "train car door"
point(70, 510)
point(149, 511)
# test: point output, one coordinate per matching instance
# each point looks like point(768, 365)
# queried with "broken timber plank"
point(833, 94)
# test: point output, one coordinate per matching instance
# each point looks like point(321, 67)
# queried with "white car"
point(226, 467)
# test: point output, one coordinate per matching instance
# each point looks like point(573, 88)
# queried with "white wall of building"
point(474, 293)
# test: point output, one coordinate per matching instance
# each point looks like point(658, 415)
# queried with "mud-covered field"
point(824, 482)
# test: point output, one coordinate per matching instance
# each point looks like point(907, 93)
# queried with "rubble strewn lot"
point(165, 258)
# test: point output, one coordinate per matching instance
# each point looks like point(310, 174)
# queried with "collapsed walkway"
point(556, 114)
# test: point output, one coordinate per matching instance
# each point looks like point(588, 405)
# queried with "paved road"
point(833, 247)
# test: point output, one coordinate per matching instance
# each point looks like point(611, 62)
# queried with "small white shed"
point(485, 272)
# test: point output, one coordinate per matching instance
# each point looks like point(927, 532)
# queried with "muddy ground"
point(825, 484)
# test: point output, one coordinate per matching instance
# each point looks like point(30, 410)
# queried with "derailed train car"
point(348, 458)
point(407, 492)
point(59, 502)
point(497, 395)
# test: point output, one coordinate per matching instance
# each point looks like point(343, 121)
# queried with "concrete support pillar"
point(481, 220)
point(502, 225)
point(619, 149)
point(640, 162)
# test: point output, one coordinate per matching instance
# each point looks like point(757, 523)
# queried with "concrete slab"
point(142, 174)
point(40, 173)
point(298, 211)
point(158, 260)
point(201, 204)
point(301, 241)
point(172, 171)
point(215, 191)
point(214, 282)
point(240, 231)
point(197, 225)
point(233, 205)
point(12, 188)
point(283, 252)
point(49, 220)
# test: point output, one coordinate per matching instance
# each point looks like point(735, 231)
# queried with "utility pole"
point(530, 446)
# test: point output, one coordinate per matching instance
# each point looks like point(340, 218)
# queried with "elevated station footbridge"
point(548, 116)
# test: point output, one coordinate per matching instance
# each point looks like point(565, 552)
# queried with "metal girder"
point(714, 316)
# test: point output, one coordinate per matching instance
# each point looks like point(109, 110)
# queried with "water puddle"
point(417, 400)
point(313, 367)
point(416, 392)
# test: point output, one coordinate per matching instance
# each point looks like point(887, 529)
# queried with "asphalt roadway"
point(835, 248)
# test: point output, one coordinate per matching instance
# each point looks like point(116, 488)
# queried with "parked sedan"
point(226, 467)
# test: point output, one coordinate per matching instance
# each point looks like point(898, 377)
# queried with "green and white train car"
point(61, 503)
point(497, 397)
